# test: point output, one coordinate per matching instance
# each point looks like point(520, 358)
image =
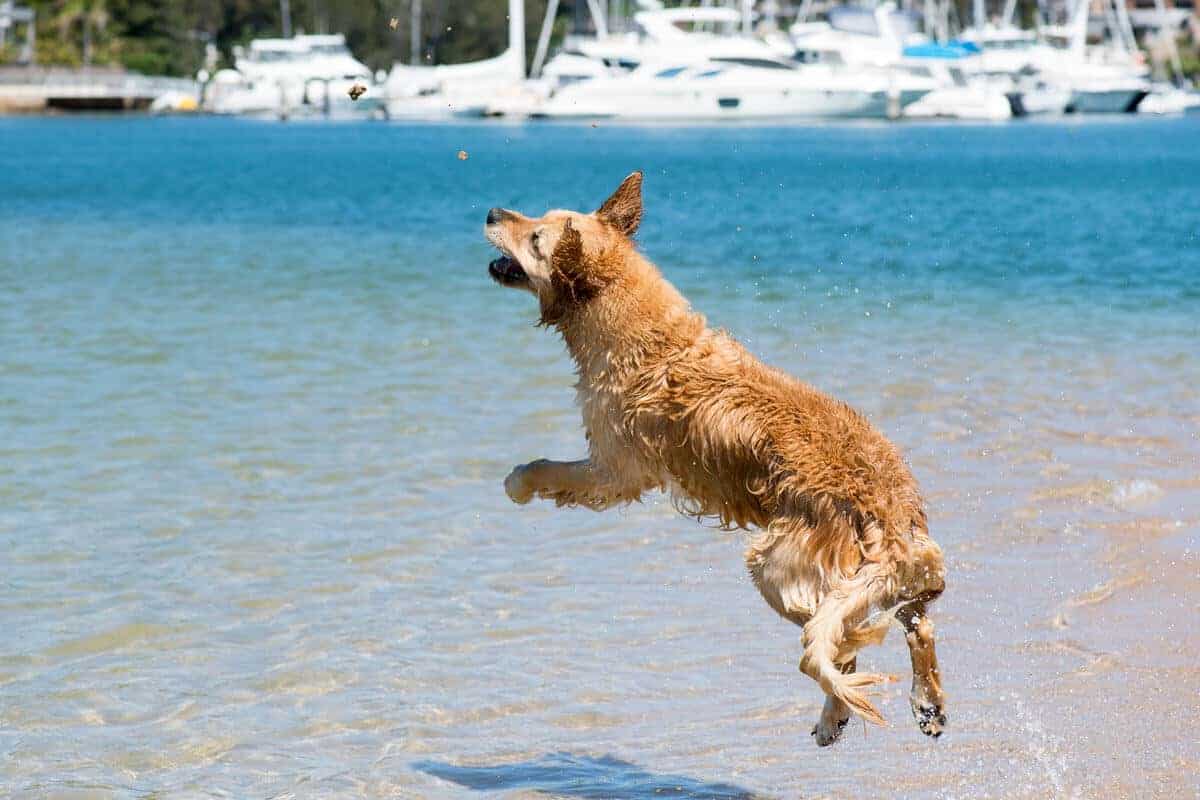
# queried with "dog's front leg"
point(564, 482)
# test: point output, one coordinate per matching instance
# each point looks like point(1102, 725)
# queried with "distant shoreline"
point(36, 90)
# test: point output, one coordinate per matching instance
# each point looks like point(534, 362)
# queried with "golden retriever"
point(840, 544)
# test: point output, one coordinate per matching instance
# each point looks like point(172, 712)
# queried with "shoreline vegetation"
point(180, 37)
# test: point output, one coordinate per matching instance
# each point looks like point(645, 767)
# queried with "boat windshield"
point(851, 19)
point(704, 26)
point(854, 19)
point(330, 50)
point(761, 63)
point(273, 56)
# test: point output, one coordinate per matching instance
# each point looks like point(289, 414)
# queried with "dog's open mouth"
point(507, 272)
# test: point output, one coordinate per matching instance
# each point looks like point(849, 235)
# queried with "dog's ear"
point(568, 253)
point(569, 277)
point(624, 209)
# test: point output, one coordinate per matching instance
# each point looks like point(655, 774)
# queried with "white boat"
point(1009, 58)
point(1168, 99)
point(305, 75)
point(1106, 78)
point(716, 90)
point(446, 90)
point(693, 64)
point(679, 35)
point(885, 38)
point(858, 37)
point(961, 95)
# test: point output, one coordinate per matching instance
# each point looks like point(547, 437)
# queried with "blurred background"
point(967, 59)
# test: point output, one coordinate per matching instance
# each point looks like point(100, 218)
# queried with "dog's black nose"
point(495, 215)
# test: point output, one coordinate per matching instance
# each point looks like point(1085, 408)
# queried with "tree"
point(89, 14)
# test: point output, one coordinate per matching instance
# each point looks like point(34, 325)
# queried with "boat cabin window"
point(831, 57)
point(704, 26)
point(271, 56)
point(852, 19)
point(762, 63)
point(670, 72)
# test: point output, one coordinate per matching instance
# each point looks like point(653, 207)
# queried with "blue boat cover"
point(951, 49)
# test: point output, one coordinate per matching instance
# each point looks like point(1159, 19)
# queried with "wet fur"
point(668, 403)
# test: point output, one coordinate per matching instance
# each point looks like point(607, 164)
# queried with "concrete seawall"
point(35, 89)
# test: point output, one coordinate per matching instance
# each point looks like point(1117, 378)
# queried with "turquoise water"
point(258, 395)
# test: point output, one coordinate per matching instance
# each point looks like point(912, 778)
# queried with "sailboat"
point(1087, 78)
point(468, 89)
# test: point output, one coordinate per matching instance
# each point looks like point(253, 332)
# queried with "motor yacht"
point(885, 38)
point(696, 64)
point(306, 75)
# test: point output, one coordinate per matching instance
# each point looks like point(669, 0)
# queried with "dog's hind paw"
point(931, 718)
point(826, 732)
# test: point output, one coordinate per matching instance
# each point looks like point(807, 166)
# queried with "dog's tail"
point(828, 642)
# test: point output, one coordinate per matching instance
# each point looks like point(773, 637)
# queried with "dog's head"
point(564, 257)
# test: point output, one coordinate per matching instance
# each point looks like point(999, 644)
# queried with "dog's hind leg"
point(847, 603)
point(834, 715)
point(928, 701)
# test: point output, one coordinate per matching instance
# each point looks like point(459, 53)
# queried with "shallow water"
point(258, 395)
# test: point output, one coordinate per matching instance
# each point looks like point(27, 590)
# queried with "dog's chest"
point(602, 412)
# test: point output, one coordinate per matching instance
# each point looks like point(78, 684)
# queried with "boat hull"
point(1105, 101)
point(978, 104)
point(728, 104)
point(1029, 102)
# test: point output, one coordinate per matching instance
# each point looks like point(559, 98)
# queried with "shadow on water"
point(568, 775)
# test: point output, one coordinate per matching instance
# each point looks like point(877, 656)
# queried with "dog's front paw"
point(517, 485)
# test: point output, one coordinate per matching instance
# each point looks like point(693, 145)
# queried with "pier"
point(35, 89)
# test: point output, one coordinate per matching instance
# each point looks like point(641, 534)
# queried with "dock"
point(36, 89)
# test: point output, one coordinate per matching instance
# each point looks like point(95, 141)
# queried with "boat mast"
point(543, 42)
point(1128, 40)
point(598, 18)
point(1010, 10)
point(516, 36)
point(1165, 32)
point(1077, 28)
point(414, 33)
